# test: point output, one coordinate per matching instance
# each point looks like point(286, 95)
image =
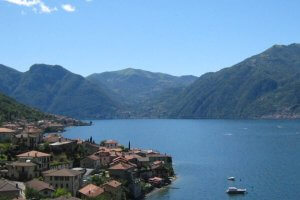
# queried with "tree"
point(32, 194)
point(61, 192)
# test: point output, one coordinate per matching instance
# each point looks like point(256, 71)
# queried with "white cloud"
point(27, 3)
point(46, 9)
point(38, 6)
point(68, 7)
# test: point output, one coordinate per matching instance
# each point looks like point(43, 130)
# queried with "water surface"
point(263, 155)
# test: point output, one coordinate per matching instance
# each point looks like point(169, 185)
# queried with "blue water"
point(263, 155)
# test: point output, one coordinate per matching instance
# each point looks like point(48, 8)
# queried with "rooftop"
point(6, 130)
point(34, 154)
point(121, 166)
point(6, 186)
point(91, 190)
point(63, 172)
point(111, 142)
point(38, 185)
point(113, 183)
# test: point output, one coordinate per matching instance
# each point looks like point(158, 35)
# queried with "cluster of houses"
point(123, 168)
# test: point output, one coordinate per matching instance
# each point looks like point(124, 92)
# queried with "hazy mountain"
point(56, 90)
point(137, 86)
point(11, 110)
point(265, 85)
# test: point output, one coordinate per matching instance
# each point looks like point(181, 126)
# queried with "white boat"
point(234, 190)
point(231, 178)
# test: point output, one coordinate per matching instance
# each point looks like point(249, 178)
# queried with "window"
point(67, 185)
point(50, 178)
point(66, 178)
point(56, 178)
point(61, 185)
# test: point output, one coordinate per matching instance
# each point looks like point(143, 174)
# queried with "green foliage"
point(265, 85)
point(54, 89)
point(10, 110)
point(61, 192)
point(140, 90)
point(105, 196)
point(99, 180)
point(32, 194)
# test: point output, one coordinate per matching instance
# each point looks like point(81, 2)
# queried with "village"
point(37, 162)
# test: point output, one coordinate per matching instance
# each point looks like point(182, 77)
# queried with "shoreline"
point(156, 190)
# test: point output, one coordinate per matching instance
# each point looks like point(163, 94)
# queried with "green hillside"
point(264, 86)
point(55, 90)
point(137, 86)
point(11, 110)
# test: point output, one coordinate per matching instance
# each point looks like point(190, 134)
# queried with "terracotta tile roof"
point(38, 185)
point(93, 157)
point(121, 166)
point(63, 172)
point(33, 154)
point(6, 186)
point(111, 142)
point(113, 183)
point(91, 190)
point(6, 130)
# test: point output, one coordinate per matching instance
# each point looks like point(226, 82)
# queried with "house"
point(114, 188)
point(104, 156)
point(159, 157)
point(54, 137)
point(22, 170)
point(121, 169)
point(91, 161)
point(91, 191)
point(9, 190)
point(90, 147)
point(68, 179)
point(110, 144)
point(41, 187)
point(6, 134)
point(26, 140)
point(143, 161)
point(60, 146)
point(156, 181)
point(158, 169)
point(39, 158)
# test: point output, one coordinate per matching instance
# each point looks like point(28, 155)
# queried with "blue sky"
point(172, 36)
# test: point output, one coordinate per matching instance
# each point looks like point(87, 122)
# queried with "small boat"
point(231, 178)
point(234, 190)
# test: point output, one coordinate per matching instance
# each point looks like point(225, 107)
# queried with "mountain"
point(135, 86)
point(11, 110)
point(56, 90)
point(266, 85)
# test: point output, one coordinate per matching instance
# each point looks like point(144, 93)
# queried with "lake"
point(263, 155)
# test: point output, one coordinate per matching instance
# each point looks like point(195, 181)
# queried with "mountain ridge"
point(261, 86)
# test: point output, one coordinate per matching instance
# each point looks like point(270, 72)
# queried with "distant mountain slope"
point(11, 110)
point(137, 86)
point(264, 86)
point(56, 90)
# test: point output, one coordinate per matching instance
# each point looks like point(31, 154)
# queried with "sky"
point(178, 37)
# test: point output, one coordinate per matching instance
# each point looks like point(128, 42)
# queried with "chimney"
point(36, 154)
